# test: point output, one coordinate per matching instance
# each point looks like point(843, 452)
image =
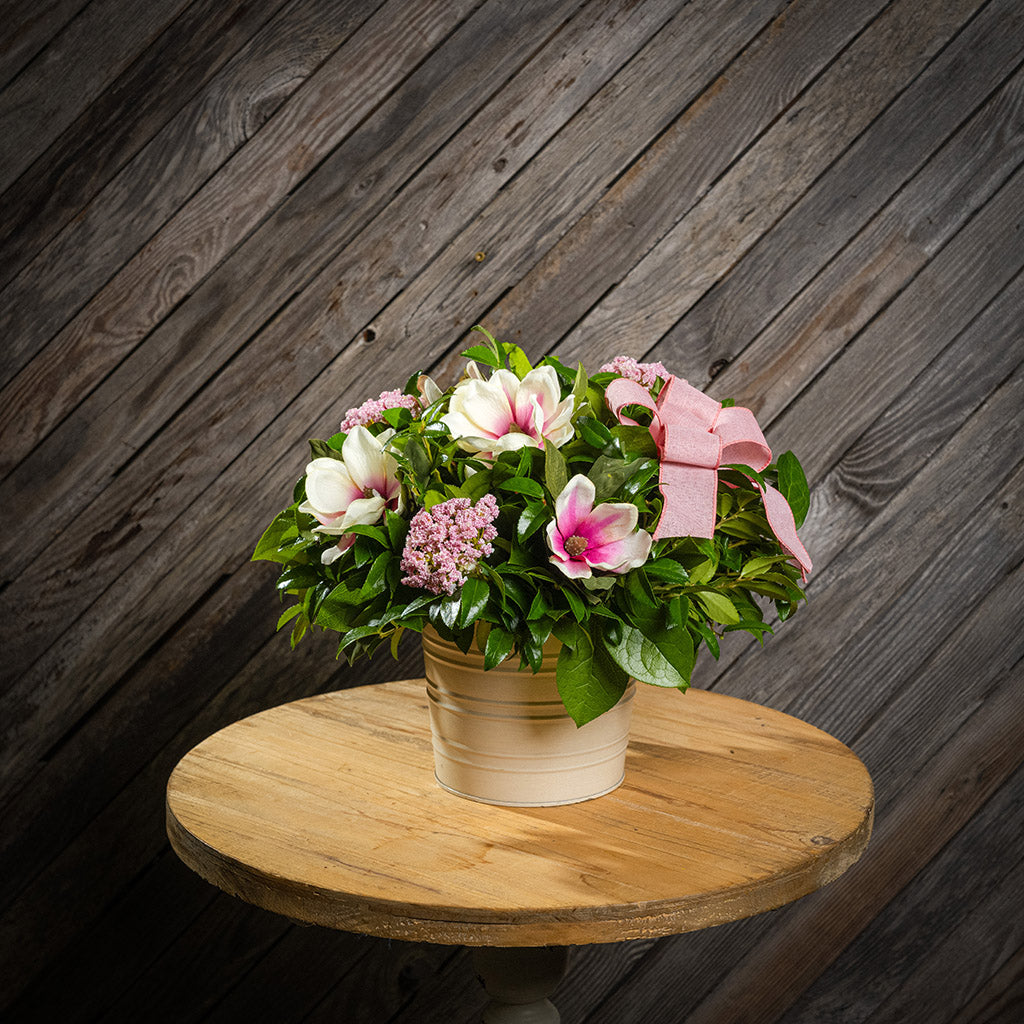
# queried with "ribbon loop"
point(695, 435)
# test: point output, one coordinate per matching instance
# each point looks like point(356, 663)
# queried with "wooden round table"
point(326, 810)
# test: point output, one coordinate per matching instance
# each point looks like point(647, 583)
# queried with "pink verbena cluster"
point(646, 374)
point(372, 410)
point(446, 542)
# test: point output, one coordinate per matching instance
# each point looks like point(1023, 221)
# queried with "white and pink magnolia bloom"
point(505, 413)
point(583, 538)
point(353, 490)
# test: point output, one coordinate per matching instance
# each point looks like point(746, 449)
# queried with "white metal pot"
point(504, 736)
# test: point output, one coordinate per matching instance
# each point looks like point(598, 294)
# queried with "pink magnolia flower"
point(445, 543)
point(353, 490)
point(505, 413)
point(583, 538)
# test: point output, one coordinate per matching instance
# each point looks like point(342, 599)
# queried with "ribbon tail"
point(780, 519)
point(690, 495)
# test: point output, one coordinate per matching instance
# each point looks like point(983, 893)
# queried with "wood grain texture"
point(188, 294)
point(82, 60)
point(128, 171)
point(326, 810)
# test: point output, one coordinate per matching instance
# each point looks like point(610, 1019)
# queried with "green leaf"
point(757, 565)
point(483, 354)
point(609, 474)
point(298, 577)
point(793, 485)
point(539, 607)
point(375, 577)
point(448, 610)
point(643, 659)
point(747, 471)
point(718, 607)
point(492, 348)
point(702, 572)
point(397, 529)
point(288, 614)
point(282, 529)
point(366, 530)
point(522, 485)
point(517, 361)
point(499, 646)
point(589, 682)
point(322, 449)
point(531, 645)
point(576, 605)
point(595, 433)
point(556, 472)
point(579, 388)
point(635, 441)
point(475, 486)
point(530, 521)
point(669, 570)
point(299, 630)
point(419, 461)
point(475, 593)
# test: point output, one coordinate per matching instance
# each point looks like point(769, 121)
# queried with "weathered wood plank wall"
point(224, 223)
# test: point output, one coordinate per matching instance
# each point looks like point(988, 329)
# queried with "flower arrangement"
point(625, 513)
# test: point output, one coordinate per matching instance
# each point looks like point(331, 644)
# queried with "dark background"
point(224, 223)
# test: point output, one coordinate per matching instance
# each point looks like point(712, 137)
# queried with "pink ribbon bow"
point(695, 436)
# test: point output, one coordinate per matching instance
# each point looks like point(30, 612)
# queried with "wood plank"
point(323, 216)
point(160, 901)
point(118, 836)
point(914, 545)
point(967, 898)
point(258, 177)
point(973, 765)
point(1001, 999)
point(915, 426)
point(893, 449)
point(896, 244)
point(82, 60)
point(769, 178)
point(28, 31)
point(225, 935)
point(256, 405)
point(942, 300)
point(315, 958)
point(929, 202)
point(105, 189)
point(449, 296)
point(676, 172)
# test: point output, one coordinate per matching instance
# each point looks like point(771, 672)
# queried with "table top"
point(326, 810)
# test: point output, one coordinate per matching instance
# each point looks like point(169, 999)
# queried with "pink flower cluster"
point(446, 542)
point(646, 374)
point(372, 410)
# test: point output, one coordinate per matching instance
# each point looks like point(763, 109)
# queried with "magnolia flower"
point(584, 538)
point(354, 490)
point(505, 413)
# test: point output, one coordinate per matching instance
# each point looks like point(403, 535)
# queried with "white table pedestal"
point(519, 981)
